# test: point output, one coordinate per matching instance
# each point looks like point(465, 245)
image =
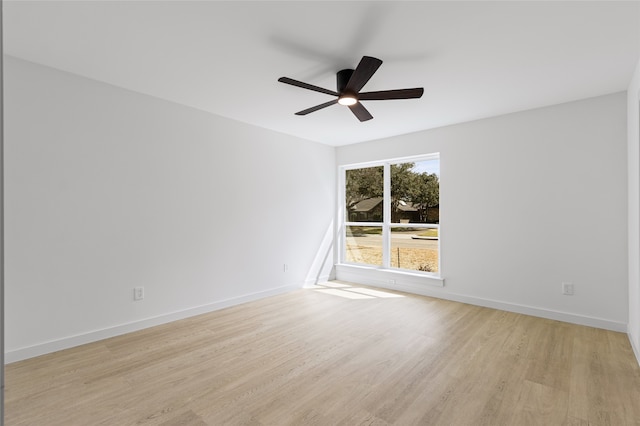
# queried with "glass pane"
point(364, 245)
point(414, 249)
point(415, 192)
point(363, 193)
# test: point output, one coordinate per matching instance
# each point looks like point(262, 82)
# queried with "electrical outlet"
point(392, 282)
point(567, 289)
point(138, 293)
point(285, 268)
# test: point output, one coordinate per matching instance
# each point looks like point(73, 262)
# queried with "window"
point(392, 214)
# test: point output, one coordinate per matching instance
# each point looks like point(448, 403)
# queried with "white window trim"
point(386, 224)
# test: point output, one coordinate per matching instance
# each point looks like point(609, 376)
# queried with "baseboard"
point(96, 335)
point(634, 346)
point(540, 312)
point(434, 291)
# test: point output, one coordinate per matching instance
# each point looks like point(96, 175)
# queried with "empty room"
point(320, 213)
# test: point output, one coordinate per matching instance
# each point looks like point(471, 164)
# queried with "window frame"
point(386, 223)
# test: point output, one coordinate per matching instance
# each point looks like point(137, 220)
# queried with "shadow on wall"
point(322, 268)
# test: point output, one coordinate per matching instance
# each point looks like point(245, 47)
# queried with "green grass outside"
point(362, 230)
point(432, 232)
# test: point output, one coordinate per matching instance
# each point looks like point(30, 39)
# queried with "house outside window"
point(392, 214)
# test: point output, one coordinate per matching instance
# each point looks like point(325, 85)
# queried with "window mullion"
point(386, 206)
point(341, 214)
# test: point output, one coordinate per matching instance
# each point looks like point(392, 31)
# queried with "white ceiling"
point(474, 59)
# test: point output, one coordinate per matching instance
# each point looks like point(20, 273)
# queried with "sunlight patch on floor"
point(345, 294)
point(374, 293)
point(335, 285)
point(350, 292)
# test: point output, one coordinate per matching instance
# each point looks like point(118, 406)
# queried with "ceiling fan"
point(349, 83)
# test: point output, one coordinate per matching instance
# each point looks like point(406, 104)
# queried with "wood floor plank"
point(357, 356)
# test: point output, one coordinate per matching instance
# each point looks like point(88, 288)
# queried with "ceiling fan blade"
point(297, 83)
point(391, 94)
point(360, 112)
point(317, 107)
point(363, 72)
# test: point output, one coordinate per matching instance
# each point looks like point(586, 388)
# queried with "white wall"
point(107, 189)
point(529, 200)
point(633, 135)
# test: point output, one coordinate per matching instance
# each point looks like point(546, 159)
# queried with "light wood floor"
point(315, 357)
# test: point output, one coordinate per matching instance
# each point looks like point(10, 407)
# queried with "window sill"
point(388, 278)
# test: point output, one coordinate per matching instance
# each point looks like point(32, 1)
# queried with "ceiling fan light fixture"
point(347, 100)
